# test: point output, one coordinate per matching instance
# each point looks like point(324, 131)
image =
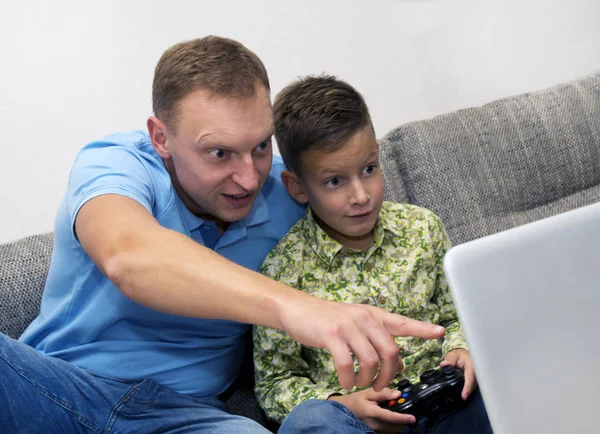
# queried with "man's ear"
point(293, 186)
point(158, 137)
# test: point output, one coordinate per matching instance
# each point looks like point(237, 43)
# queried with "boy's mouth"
point(364, 214)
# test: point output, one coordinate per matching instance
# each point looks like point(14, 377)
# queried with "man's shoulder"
point(135, 142)
point(121, 150)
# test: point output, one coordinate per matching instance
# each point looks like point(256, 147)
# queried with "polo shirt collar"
point(258, 214)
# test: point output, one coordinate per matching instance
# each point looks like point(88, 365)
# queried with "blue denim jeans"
point(332, 417)
point(50, 395)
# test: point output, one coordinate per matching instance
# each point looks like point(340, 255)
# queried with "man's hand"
point(365, 406)
point(461, 359)
point(346, 329)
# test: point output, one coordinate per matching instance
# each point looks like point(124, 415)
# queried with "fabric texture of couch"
point(501, 165)
point(482, 170)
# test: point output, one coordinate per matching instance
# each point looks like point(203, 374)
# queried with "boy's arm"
point(454, 337)
point(282, 375)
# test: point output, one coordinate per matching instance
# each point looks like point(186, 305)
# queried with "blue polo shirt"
point(87, 321)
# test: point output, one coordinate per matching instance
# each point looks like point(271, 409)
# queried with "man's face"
point(345, 189)
point(220, 154)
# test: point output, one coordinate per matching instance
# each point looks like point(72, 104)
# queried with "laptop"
point(529, 303)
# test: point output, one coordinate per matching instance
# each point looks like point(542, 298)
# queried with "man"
point(151, 287)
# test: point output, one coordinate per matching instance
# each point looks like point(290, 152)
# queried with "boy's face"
point(345, 189)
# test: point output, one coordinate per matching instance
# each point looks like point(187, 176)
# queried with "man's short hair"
point(317, 113)
point(219, 65)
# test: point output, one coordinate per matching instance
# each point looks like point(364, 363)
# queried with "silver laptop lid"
point(529, 302)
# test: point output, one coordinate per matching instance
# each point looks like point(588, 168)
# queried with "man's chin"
point(232, 216)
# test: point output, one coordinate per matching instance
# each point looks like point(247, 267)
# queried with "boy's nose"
point(361, 196)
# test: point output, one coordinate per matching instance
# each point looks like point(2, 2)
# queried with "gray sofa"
point(501, 165)
point(481, 169)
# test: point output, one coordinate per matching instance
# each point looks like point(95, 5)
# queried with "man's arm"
point(166, 271)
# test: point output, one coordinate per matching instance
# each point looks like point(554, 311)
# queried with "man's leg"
point(45, 394)
point(323, 417)
point(152, 408)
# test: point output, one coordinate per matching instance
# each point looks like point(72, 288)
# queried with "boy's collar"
point(325, 246)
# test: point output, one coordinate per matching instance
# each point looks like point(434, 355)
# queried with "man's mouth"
point(240, 201)
point(238, 196)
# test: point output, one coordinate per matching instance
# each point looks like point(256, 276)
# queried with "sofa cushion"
point(23, 268)
point(504, 164)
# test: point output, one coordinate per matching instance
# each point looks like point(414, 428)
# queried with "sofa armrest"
point(23, 268)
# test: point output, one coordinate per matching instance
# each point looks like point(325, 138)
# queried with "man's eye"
point(333, 182)
point(263, 146)
point(218, 153)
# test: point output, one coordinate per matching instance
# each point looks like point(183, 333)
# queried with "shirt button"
point(382, 299)
point(368, 267)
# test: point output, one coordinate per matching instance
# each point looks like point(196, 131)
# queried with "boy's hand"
point(365, 406)
point(461, 359)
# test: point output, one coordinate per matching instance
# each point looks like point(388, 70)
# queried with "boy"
point(353, 247)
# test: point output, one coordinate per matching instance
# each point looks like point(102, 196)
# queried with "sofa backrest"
point(506, 163)
point(23, 269)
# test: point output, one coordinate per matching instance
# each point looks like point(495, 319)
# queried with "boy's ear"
point(293, 186)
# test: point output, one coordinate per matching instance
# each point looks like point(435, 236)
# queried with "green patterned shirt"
point(401, 272)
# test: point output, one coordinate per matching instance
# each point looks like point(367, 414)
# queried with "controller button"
point(392, 403)
point(403, 383)
point(448, 370)
point(401, 401)
point(404, 395)
point(429, 375)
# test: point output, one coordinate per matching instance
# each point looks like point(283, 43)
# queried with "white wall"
point(73, 71)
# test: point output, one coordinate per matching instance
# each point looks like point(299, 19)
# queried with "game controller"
point(438, 392)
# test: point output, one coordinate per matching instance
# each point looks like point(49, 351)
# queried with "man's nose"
point(246, 175)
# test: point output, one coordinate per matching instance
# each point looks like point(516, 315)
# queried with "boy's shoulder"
point(292, 243)
point(395, 215)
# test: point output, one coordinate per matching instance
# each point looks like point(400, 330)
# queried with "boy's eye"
point(333, 182)
point(263, 146)
point(218, 153)
point(370, 169)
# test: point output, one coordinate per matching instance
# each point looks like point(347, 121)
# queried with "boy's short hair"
point(317, 113)
point(220, 65)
